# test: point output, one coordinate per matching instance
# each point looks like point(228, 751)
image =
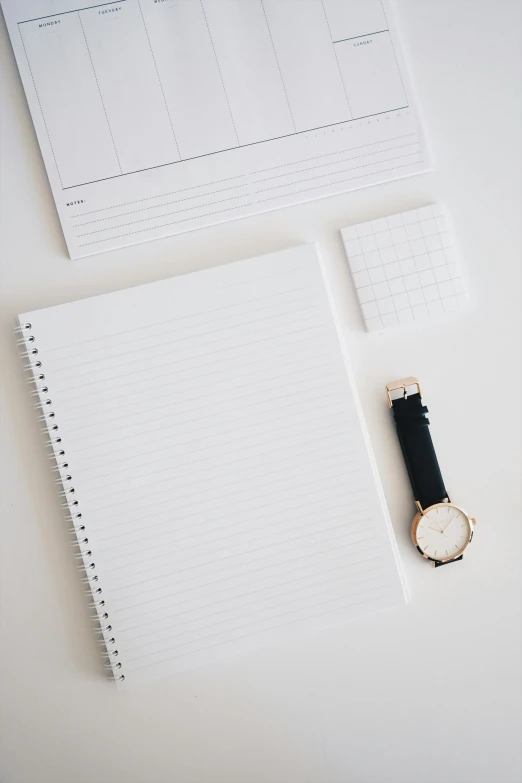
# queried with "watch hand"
point(449, 523)
point(436, 529)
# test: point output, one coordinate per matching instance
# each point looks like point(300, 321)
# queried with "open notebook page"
point(219, 461)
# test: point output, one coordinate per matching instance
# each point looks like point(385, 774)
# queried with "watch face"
point(443, 532)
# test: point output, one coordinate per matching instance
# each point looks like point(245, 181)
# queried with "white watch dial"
point(443, 532)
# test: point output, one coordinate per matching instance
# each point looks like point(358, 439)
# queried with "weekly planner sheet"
point(160, 116)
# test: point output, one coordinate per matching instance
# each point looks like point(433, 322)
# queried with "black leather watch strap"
point(417, 447)
point(447, 562)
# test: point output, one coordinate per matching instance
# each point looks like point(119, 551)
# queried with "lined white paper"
point(160, 116)
point(218, 460)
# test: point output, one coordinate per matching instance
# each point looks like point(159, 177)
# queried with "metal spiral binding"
point(80, 537)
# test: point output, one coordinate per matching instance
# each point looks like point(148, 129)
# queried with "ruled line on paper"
point(285, 622)
point(97, 521)
point(341, 496)
point(328, 154)
point(286, 420)
point(93, 398)
point(245, 565)
point(336, 173)
point(169, 467)
point(348, 522)
point(334, 163)
point(336, 459)
point(147, 544)
point(129, 374)
point(174, 599)
point(369, 577)
point(243, 302)
point(248, 343)
point(82, 362)
point(161, 206)
point(249, 571)
point(181, 332)
point(236, 387)
point(164, 215)
point(167, 225)
point(169, 415)
point(224, 403)
point(283, 422)
point(339, 181)
point(292, 541)
point(239, 453)
point(160, 195)
point(194, 494)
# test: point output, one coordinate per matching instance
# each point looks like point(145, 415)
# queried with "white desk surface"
point(430, 694)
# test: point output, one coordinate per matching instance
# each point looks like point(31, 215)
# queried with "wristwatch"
point(441, 531)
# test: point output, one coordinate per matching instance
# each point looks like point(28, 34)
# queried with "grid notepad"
point(404, 267)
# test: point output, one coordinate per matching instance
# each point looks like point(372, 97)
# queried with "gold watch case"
point(422, 511)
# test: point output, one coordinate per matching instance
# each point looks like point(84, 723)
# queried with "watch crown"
point(473, 521)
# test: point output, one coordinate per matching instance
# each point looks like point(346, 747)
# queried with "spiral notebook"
point(213, 458)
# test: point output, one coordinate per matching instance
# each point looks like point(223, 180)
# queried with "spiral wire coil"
point(79, 532)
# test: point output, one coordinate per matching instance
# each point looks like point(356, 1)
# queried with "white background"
point(429, 694)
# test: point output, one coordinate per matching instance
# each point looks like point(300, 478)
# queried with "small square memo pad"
point(404, 268)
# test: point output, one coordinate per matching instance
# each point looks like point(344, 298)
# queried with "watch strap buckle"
point(404, 384)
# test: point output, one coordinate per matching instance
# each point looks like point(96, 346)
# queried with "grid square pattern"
point(404, 268)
